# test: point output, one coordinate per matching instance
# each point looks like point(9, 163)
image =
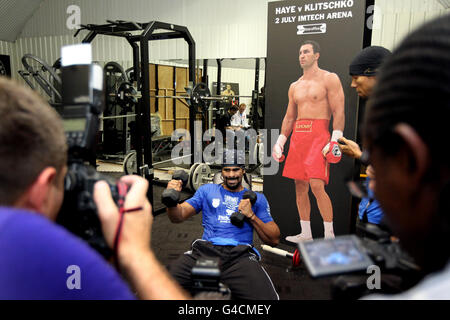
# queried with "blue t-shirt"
point(42, 260)
point(217, 205)
point(370, 207)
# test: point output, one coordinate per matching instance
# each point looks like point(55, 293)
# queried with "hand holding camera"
point(127, 227)
point(125, 218)
point(349, 148)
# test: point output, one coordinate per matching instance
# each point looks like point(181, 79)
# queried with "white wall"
point(394, 19)
point(231, 29)
point(221, 29)
point(245, 78)
point(6, 48)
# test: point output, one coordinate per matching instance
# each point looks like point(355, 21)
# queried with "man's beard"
point(233, 187)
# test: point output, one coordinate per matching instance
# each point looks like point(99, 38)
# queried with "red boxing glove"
point(280, 159)
point(334, 154)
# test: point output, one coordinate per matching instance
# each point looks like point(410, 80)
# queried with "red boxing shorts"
point(305, 160)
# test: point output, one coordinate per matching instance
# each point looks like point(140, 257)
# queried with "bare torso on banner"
point(311, 97)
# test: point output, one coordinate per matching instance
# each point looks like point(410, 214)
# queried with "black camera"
point(82, 104)
point(205, 275)
point(355, 260)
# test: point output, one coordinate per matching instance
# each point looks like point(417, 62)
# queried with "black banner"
point(339, 28)
point(5, 65)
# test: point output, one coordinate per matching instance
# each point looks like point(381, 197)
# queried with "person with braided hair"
point(404, 141)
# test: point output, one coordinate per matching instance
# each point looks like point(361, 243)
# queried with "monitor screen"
point(77, 124)
point(334, 256)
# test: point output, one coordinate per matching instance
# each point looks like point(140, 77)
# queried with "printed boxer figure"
point(313, 99)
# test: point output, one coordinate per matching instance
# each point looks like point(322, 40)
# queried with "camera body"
point(399, 271)
point(205, 275)
point(78, 212)
point(350, 258)
point(82, 103)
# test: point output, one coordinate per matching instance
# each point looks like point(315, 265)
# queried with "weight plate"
point(130, 74)
point(191, 173)
point(126, 96)
point(114, 76)
point(199, 174)
point(130, 163)
point(200, 91)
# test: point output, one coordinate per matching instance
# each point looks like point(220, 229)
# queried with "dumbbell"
point(171, 197)
point(237, 218)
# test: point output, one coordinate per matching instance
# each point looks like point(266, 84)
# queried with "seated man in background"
point(240, 124)
point(40, 259)
point(223, 123)
point(403, 136)
point(240, 118)
point(240, 269)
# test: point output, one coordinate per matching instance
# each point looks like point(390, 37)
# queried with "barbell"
point(198, 97)
point(199, 173)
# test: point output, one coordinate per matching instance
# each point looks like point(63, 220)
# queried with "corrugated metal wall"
point(245, 78)
point(231, 29)
point(394, 19)
point(6, 48)
point(234, 29)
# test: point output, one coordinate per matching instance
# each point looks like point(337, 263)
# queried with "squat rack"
point(123, 29)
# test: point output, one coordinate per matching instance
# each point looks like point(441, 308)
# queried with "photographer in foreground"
point(403, 135)
point(41, 260)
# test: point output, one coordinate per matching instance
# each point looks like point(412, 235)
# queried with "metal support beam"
point(123, 29)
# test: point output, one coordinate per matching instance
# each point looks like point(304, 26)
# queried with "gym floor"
point(169, 240)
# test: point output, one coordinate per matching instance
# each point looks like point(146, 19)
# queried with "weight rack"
point(140, 47)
